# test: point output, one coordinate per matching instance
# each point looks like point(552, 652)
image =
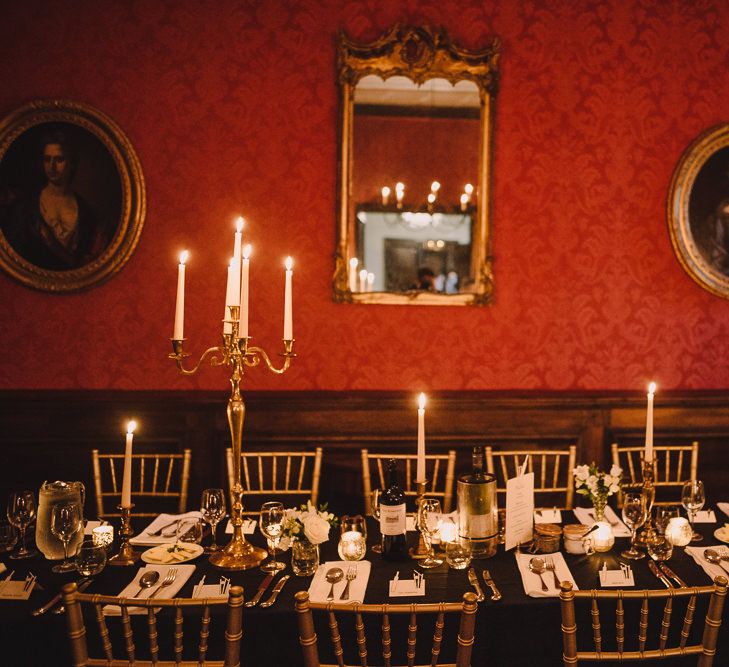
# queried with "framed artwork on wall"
point(72, 196)
point(698, 210)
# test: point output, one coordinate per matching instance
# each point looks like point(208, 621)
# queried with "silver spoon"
point(538, 566)
point(333, 576)
point(147, 580)
point(716, 558)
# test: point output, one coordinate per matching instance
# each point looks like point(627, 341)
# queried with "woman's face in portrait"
point(55, 164)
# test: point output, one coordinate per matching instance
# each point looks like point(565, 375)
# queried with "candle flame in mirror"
point(131, 426)
point(239, 224)
point(421, 401)
point(434, 186)
point(431, 198)
point(464, 198)
point(363, 274)
point(399, 187)
point(385, 191)
point(652, 388)
point(468, 189)
point(247, 251)
point(183, 256)
point(289, 263)
point(353, 262)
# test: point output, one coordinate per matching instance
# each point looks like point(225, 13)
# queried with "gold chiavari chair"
point(154, 476)
point(440, 470)
point(672, 466)
point(359, 612)
point(706, 649)
point(76, 628)
point(274, 475)
point(552, 470)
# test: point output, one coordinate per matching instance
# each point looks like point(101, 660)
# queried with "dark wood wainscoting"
point(49, 434)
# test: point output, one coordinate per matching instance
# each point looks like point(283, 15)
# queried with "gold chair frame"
point(296, 462)
point(309, 643)
point(159, 484)
point(73, 600)
point(434, 488)
point(511, 460)
point(706, 649)
point(664, 474)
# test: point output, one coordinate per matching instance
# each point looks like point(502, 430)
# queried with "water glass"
point(22, 510)
point(190, 531)
point(634, 516)
point(90, 559)
point(663, 515)
point(428, 515)
point(693, 499)
point(458, 553)
point(66, 521)
point(212, 508)
point(272, 519)
point(660, 548)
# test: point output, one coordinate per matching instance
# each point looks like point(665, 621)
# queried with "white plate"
point(151, 555)
point(722, 534)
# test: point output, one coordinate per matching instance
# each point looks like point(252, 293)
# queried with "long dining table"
point(517, 630)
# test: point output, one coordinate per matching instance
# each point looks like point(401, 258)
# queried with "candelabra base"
point(127, 555)
point(421, 551)
point(238, 555)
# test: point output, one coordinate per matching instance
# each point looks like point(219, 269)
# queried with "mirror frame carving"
point(419, 53)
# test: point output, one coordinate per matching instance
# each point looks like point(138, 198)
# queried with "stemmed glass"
point(212, 508)
point(693, 499)
point(663, 515)
point(21, 513)
point(90, 559)
point(376, 548)
point(428, 522)
point(272, 518)
point(634, 516)
point(65, 523)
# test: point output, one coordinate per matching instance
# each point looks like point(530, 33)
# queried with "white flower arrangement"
point(598, 485)
point(306, 524)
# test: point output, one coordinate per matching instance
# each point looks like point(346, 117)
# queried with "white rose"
point(592, 481)
point(616, 471)
point(608, 480)
point(284, 544)
point(316, 529)
point(614, 488)
point(582, 472)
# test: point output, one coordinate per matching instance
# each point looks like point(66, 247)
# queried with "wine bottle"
point(392, 517)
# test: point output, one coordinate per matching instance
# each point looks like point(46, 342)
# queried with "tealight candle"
point(352, 545)
point(103, 536)
point(602, 539)
point(678, 531)
point(447, 531)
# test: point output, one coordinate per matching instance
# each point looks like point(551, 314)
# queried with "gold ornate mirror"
point(414, 181)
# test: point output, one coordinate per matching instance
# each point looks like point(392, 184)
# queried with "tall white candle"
point(420, 468)
point(353, 274)
point(238, 235)
point(179, 328)
point(649, 423)
point(229, 299)
point(385, 195)
point(363, 280)
point(126, 497)
point(243, 327)
point(370, 281)
point(288, 314)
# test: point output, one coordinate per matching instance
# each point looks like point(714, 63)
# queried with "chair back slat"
point(688, 621)
point(412, 638)
point(643, 624)
point(440, 484)
point(288, 472)
point(168, 477)
point(437, 637)
point(620, 625)
point(152, 634)
point(596, 636)
point(359, 629)
point(336, 638)
point(552, 470)
point(204, 634)
point(155, 474)
point(128, 634)
point(260, 473)
point(114, 487)
point(665, 623)
point(103, 632)
point(179, 632)
point(386, 640)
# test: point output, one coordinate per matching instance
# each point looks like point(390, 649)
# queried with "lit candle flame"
point(247, 251)
point(183, 256)
point(353, 262)
point(131, 426)
point(434, 186)
point(385, 191)
point(431, 198)
point(239, 224)
point(289, 263)
point(468, 189)
point(652, 388)
point(421, 401)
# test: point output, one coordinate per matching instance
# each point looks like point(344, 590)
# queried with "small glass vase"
point(304, 558)
point(599, 505)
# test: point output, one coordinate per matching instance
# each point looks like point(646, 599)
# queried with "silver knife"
point(82, 584)
point(261, 590)
point(480, 597)
point(672, 575)
point(276, 590)
point(490, 583)
point(652, 567)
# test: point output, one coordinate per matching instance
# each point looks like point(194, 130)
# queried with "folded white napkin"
point(697, 553)
point(249, 527)
point(319, 588)
point(168, 535)
point(724, 507)
point(184, 572)
point(90, 525)
point(705, 516)
point(532, 582)
point(542, 515)
point(586, 516)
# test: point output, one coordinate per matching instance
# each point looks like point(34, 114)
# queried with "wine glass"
point(376, 548)
point(65, 523)
point(659, 548)
point(272, 518)
point(90, 559)
point(634, 516)
point(189, 531)
point(693, 499)
point(21, 513)
point(663, 515)
point(212, 508)
point(428, 515)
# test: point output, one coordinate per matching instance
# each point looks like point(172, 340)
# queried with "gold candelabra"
point(420, 551)
point(126, 555)
point(647, 532)
point(237, 353)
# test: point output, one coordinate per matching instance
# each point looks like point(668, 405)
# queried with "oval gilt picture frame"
point(698, 210)
point(72, 196)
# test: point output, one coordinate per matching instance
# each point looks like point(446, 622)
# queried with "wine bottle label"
point(392, 519)
point(479, 525)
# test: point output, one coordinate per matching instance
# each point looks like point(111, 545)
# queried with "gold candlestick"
point(238, 554)
point(646, 533)
point(421, 551)
point(126, 555)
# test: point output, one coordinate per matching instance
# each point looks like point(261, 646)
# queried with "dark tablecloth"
point(518, 630)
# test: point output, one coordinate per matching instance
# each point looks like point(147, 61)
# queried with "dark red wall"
point(232, 108)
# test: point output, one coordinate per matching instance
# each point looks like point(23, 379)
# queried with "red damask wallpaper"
point(232, 109)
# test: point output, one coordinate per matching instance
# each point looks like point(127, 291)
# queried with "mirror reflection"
point(415, 150)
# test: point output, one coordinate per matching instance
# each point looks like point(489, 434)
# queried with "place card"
point(406, 588)
point(13, 590)
point(617, 578)
point(208, 591)
point(705, 516)
point(249, 527)
point(519, 510)
point(547, 516)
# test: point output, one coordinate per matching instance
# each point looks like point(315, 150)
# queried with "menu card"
point(519, 510)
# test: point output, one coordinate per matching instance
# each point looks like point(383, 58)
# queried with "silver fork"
point(549, 564)
point(351, 574)
point(169, 579)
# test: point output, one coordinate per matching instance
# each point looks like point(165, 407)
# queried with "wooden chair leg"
point(466, 630)
point(569, 627)
point(307, 635)
point(713, 622)
point(234, 631)
point(75, 626)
